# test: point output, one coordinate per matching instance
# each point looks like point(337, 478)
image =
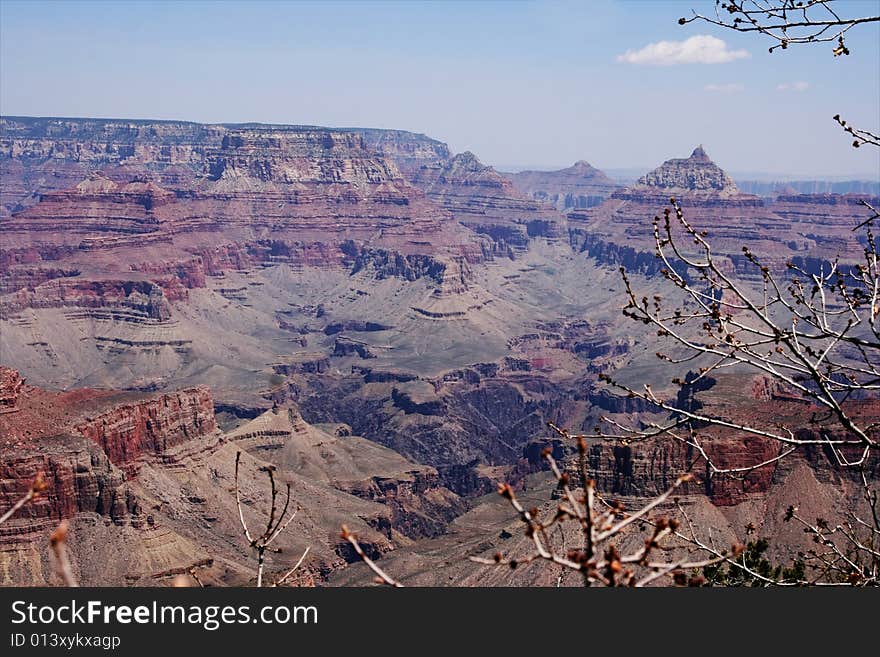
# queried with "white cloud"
point(793, 86)
point(700, 49)
point(730, 88)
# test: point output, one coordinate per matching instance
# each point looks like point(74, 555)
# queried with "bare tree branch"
point(58, 543)
point(860, 136)
point(38, 485)
point(277, 522)
point(603, 525)
point(815, 333)
point(281, 580)
point(787, 22)
point(381, 576)
point(792, 22)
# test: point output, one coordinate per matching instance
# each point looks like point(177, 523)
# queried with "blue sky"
point(517, 83)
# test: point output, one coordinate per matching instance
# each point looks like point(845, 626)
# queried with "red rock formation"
point(42, 155)
point(77, 438)
point(484, 199)
point(10, 388)
point(421, 506)
point(645, 468)
point(409, 151)
point(129, 300)
point(472, 191)
point(95, 206)
point(696, 175)
point(145, 480)
point(125, 424)
point(304, 363)
point(648, 468)
point(79, 479)
point(475, 194)
point(130, 430)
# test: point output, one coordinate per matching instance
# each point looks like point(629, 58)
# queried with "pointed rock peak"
point(466, 168)
point(697, 173)
point(467, 158)
point(467, 161)
point(700, 154)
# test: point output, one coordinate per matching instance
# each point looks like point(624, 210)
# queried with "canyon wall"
point(153, 473)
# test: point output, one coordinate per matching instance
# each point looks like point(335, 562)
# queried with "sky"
point(520, 84)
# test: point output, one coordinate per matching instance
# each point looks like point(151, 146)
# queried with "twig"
point(58, 543)
point(38, 485)
point(290, 572)
point(275, 525)
point(381, 576)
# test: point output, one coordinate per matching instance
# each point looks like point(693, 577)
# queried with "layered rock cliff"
point(87, 444)
point(480, 197)
point(618, 231)
point(408, 150)
point(176, 202)
point(152, 426)
point(10, 388)
point(474, 193)
point(146, 482)
point(387, 287)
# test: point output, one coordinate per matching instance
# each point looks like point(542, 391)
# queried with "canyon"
point(389, 324)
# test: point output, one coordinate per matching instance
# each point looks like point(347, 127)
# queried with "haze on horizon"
point(539, 84)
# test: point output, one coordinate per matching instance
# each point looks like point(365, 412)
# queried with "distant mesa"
point(588, 170)
point(576, 187)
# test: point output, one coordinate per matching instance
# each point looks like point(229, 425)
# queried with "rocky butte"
point(388, 323)
point(578, 187)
